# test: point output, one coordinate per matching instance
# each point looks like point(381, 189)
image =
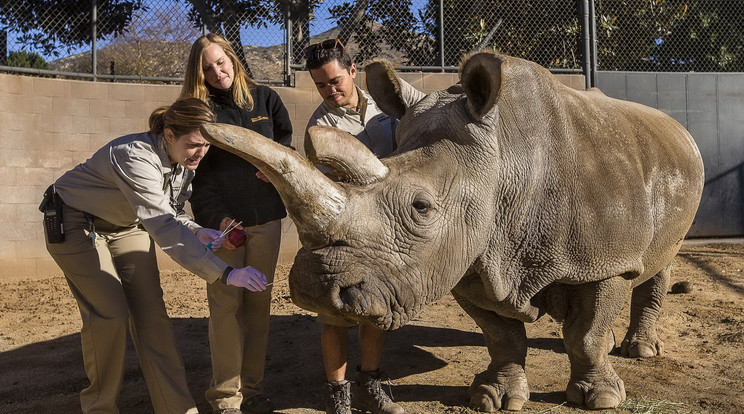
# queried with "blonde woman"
point(229, 189)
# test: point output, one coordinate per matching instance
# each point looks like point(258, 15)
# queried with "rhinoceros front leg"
point(504, 384)
point(645, 307)
point(592, 309)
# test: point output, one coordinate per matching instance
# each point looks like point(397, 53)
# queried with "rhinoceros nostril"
point(350, 296)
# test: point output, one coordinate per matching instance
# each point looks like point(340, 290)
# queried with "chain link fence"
point(670, 35)
point(150, 39)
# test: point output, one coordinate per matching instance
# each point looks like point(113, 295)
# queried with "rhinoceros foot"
point(493, 391)
point(638, 346)
point(599, 395)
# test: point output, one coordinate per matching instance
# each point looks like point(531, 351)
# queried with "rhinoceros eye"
point(421, 206)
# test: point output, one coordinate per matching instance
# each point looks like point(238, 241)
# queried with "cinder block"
point(107, 109)
point(21, 194)
point(25, 104)
point(31, 249)
point(52, 87)
point(296, 95)
point(7, 175)
point(88, 125)
point(126, 126)
point(437, 81)
point(33, 176)
point(291, 109)
point(15, 158)
point(55, 159)
point(7, 248)
point(16, 84)
point(18, 121)
point(126, 92)
point(303, 80)
point(134, 109)
point(161, 93)
point(70, 106)
point(96, 91)
point(17, 139)
point(54, 123)
point(71, 142)
point(28, 215)
point(12, 227)
point(303, 112)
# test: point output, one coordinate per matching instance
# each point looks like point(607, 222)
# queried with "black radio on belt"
point(51, 206)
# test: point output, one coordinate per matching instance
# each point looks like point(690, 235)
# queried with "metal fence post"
point(586, 46)
point(288, 53)
point(3, 47)
point(593, 34)
point(93, 33)
point(441, 34)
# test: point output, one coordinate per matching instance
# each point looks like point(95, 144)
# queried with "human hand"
point(247, 277)
point(210, 238)
point(227, 221)
point(261, 176)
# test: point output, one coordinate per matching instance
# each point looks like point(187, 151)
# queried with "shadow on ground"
point(46, 377)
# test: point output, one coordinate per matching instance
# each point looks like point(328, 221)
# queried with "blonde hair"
point(194, 83)
point(183, 116)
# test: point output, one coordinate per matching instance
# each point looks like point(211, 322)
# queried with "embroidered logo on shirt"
point(259, 118)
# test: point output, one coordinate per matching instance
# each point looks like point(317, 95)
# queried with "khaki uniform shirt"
point(369, 125)
point(132, 181)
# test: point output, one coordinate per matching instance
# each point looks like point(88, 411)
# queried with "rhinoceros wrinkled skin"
point(518, 195)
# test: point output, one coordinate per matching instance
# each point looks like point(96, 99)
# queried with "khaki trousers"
point(239, 321)
point(117, 284)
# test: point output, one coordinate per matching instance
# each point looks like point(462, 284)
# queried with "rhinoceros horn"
point(312, 199)
point(346, 155)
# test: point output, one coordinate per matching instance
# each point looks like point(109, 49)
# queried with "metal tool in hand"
point(230, 227)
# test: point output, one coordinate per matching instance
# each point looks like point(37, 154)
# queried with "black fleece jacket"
point(226, 185)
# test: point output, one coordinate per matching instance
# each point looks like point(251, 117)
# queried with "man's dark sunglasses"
point(311, 50)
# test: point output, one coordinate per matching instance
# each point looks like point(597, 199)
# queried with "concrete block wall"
point(48, 126)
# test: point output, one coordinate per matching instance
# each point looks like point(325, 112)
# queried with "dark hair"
point(183, 116)
point(319, 54)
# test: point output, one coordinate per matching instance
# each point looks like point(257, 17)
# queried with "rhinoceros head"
point(388, 236)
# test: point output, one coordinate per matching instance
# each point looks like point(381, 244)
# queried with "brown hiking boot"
point(369, 395)
point(338, 397)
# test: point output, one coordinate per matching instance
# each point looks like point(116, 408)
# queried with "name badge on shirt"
point(259, 118)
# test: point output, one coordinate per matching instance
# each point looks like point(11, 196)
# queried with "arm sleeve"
point(181, 215)
point(139, 179)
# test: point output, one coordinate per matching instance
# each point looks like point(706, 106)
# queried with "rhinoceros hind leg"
point(503, 386)
point(641, 340)
point(586, 332)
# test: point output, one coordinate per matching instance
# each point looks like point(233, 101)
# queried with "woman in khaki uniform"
point(129, 193)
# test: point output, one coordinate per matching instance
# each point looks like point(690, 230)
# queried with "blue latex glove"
point(210, 238)
point(247, 277)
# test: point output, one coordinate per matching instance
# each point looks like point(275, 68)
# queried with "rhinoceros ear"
point(393, 95)
point(481, 78)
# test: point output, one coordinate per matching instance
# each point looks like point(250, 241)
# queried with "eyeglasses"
point(311, 50)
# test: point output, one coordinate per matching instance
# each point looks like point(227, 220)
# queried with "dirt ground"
point(431, 361)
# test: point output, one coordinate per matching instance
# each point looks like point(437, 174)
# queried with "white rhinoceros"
point(515, 193)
